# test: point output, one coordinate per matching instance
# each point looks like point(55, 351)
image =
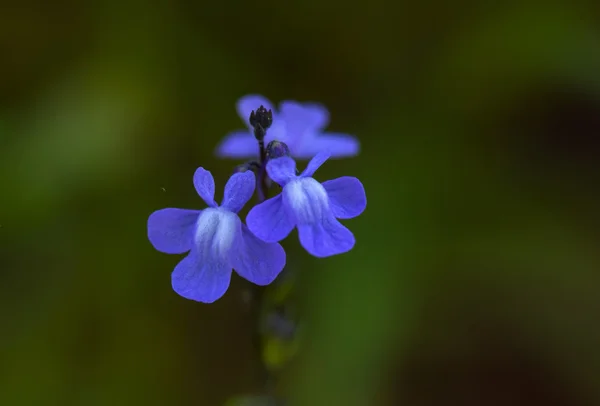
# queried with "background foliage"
point(475, 276)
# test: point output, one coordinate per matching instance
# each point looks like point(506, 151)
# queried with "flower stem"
point(261, 119)
point(258, 291)
point(261, 181)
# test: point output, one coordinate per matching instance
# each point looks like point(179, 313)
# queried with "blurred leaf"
point(511, 47)
point(254, 401)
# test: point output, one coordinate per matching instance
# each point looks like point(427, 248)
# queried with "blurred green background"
point(476, 274)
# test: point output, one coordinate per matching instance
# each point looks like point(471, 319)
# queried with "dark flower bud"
point(261, 117)
point(277, 149)
point(248, 166)
point(280, 326)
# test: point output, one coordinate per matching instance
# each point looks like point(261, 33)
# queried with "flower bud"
point(277, 149)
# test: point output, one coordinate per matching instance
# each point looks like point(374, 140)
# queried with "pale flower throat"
point(307, 199)
point(216, 230)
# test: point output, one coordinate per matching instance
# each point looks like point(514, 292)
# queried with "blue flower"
point(216, 239)
point(299, 125)
point(310, 206)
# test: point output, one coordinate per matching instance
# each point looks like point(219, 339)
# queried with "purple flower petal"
point(171, 230)
point(325, 238)
point(269, 220)
point(301, 119)
point(315, 163)
point(246, 104)
point(340, 146)
point(200, 278)
point(238, 191)
point(258, 261)
point(238, 144)
point(277, 132)
point(205, 186)
point(317, 114)
point(347, 197)
point(281, 170)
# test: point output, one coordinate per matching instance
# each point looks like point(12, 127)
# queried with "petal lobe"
point(269, 220)
point(172, 230)
point(257, 261)
point(346, 196)
point(238, 144)
point(326, 238)
point(281, 170)
point(205, 186)
point(238, 191)
point(315, 163)
point(201, 279)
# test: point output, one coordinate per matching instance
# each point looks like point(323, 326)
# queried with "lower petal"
point(269, 220)
point(326, 238)
point(258, 261)
point(171, 230)
point(339, 145)
point(239, 144)
point(201, 280)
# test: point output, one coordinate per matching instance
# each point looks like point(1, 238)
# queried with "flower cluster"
point(299, 125)
point(217, 241)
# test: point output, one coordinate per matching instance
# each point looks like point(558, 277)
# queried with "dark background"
point(475, 277)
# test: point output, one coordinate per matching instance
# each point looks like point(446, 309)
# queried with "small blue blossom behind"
point(216, 240)
point(312, 207)
point(299, 125)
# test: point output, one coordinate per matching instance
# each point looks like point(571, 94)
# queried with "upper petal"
point(303, 118)
point(238, 191)
point(326, 238)
point(201, 278)
point(281, 170)
point(258, 261)
point(250, 102)
point(205, 186)
point(347, 196)
point(317, 114)
point(315, 163)
point(338, 144)
point(238, 144)
point(172, 230)
point(269, 220)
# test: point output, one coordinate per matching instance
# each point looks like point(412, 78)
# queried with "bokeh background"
point(476, 274)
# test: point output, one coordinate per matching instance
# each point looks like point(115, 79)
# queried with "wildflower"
point(299, 125)
point(313, 208)
point(216, 239)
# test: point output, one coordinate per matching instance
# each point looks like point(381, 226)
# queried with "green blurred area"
point(475, 276)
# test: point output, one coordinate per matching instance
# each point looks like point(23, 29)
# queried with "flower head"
point(216, 240)
point(312, 207)
point(299, 125)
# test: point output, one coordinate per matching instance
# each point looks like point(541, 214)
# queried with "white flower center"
point(307, 199)
point(216, 230)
